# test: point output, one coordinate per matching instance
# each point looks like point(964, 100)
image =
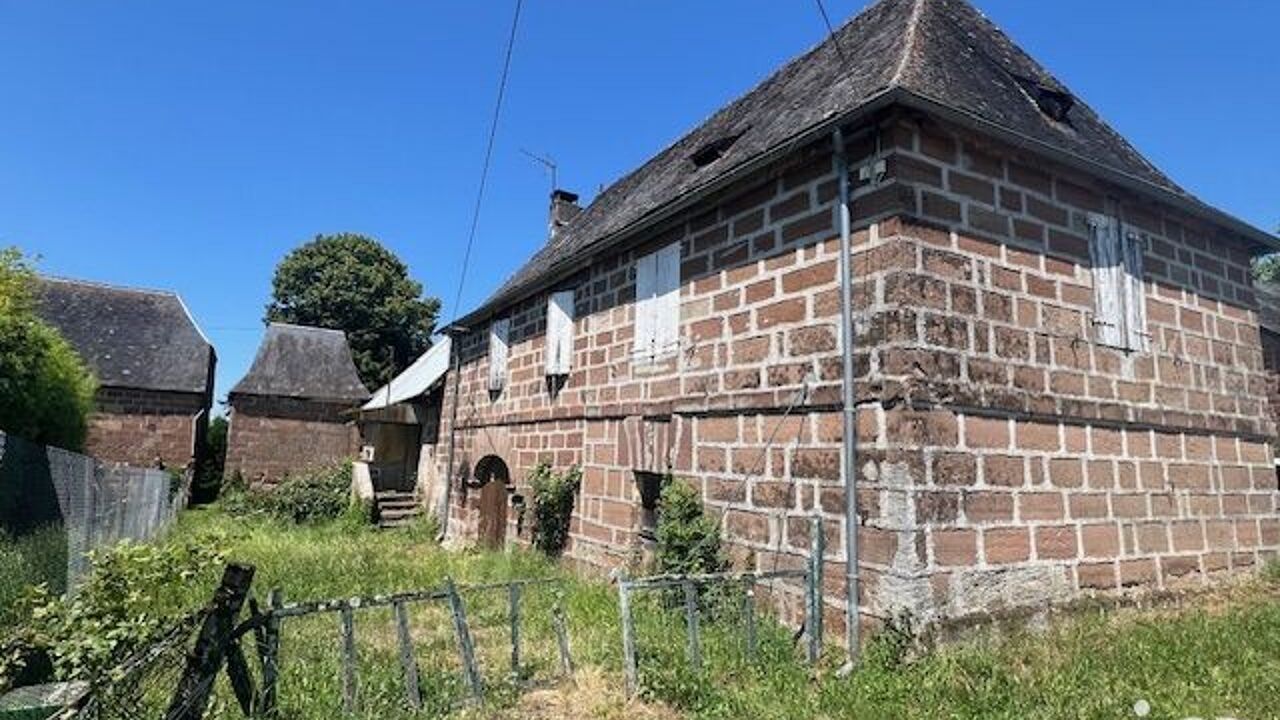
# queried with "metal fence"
point(56, 506)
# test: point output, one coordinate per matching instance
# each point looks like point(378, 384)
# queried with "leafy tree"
point(46, 390)
point(352, 283)
point(209, 479)
point(1267, 268)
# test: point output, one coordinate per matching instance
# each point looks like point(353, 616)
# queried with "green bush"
point(132, 592)
point(553, 496)
point(312, 496)
point(688, 539)
point(46, 390)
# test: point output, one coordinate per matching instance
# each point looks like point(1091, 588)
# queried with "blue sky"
point(189, 146)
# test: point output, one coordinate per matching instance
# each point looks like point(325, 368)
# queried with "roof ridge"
point(909, 41)
point(107, 285)
point(313, 328)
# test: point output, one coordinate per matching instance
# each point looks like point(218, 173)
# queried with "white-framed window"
point(498, 351)
point(560, 333)
point(1119, 300)
point(657, 307)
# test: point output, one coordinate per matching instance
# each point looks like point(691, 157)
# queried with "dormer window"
point(713, 150)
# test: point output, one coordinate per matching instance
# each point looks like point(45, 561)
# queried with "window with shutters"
point(560, 333)
point(498, 351)
point(657, 306)
point(1120, 310)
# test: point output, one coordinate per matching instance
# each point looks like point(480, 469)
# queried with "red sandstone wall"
point(138, 426)
point(270, 437)
point(1005, 459)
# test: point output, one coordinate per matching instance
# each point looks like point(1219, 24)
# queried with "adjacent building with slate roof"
point(154, 368)
point(293, 409)
point(1058, 374)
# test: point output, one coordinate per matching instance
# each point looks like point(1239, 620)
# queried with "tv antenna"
point(547, 162)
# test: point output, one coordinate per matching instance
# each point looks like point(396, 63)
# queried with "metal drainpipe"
point(849, 435)
point(455, 349)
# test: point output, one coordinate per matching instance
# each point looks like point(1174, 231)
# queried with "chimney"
point(564, 208)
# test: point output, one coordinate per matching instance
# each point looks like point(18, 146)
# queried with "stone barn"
point(293, 410)
point(1056, 385)
point(153, 363)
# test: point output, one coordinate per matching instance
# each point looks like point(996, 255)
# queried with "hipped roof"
point(936, 55)
point(303, 362)
point(129, 337)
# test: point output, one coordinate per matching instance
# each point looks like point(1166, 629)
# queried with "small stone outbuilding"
point(293, 409)
point(154, 368)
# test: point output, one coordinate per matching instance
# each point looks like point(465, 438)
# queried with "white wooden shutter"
point(560, 333)
point(646, 285)
point(1135, 301)
point(666, 311)
point(1109, 280)
point(498, 351)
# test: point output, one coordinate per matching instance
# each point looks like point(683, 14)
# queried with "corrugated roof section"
point(416, 379)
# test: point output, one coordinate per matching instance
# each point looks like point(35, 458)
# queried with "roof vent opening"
point(713, 150)
point(1054, 102)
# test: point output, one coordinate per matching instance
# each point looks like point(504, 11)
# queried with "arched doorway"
point(494, 478)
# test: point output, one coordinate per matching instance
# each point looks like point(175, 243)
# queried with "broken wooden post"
point(513, 613)
point(817, 548)
point(348, 659)
point(191, 697)
point(629, 672)
point(407, 660)
point(270, 654)
point(465, 647)
point(749, 611)
point(691, 624)
point(240, 677)
point(562, 635)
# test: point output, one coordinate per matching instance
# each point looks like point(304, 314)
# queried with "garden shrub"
point(553, 497)
point(46, 390)
point(688, 539)
point(132, 592)
point(315, 495)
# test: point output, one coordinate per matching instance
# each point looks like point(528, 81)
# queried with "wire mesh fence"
point(141, 686)
point(57, 505)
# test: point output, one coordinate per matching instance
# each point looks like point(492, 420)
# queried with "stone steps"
point(396, 509)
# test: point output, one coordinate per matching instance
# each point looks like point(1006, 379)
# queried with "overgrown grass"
point(36, 557)
point(1218, 657)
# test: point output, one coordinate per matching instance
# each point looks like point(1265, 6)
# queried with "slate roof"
point(131, 338)
point(303, 362)
point(926, 53)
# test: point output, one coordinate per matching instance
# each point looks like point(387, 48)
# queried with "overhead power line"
point(826, 19)
point(488, 156)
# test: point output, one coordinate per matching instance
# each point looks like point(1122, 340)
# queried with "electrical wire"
point(488, 157)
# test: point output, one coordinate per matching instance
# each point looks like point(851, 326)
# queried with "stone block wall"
point(271, 437)
point(973, 312)
point(138, 427)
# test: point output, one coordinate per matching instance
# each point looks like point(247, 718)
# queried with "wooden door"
point(493, 513)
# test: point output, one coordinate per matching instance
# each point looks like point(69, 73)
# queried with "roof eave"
point(1187, 204)
point(874, 103)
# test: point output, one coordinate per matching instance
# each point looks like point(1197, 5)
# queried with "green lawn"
point(1219, 657)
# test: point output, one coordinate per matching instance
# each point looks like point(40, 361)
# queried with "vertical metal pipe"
point(850, 412)
point(455, 349)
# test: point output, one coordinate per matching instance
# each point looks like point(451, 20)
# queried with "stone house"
point(293, 409)
point(153, 364)
point(1057, 378)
